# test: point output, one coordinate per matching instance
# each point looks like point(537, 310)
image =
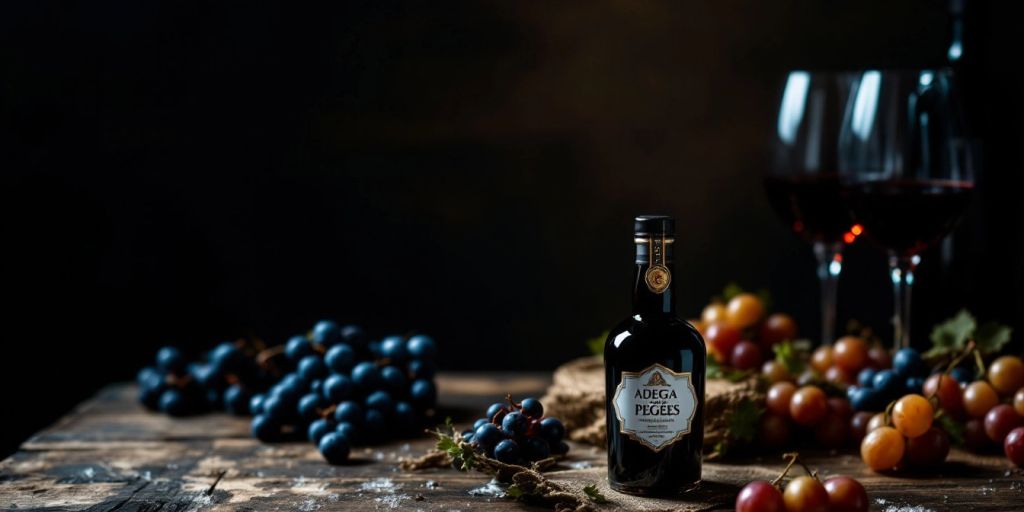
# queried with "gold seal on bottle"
point(658, 276)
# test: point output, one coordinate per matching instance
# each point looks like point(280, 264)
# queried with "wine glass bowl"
point(905, 168)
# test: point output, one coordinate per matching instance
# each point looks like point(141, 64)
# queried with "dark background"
point(187, 172)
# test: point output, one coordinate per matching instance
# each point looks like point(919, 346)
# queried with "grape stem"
point(794, 458)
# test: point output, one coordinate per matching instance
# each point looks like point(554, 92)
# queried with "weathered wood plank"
point(109, 454)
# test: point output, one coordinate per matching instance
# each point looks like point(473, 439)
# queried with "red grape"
point(774, 371)
point(947, 390)
point(846, 495)
point(808, 406)
point(805, 494)
point(850, 353)
point(779, 396)
point(1018, 402)
point(777, 328)
point(760, 496)
point(840, 407)
point(999, 421)
point(774, 431)
point(928, 449)
point(859, 425)
point(721, 338)
point(832, 431)
point(879, 358)
point(975, 437)
point(1014, 446)
point(877, 421)
point(746, 355)
point(821, 359)
point(839, 375)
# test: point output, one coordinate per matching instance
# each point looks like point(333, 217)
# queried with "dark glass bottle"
point(654, 378)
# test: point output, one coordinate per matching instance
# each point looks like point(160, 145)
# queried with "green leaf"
point(446, 444)
point(596, 345)
point(594, 494)
point(717, 371)
point(951, 336)
point(992, 337)
point(514, 491)
point(787, 354)
point(731, 290)
point(742, 421)
point(954, 429)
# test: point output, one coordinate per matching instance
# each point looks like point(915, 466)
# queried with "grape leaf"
point(462, 454)
point(787, 354)
point(731, 290)
point(951, 336)
point(594, 494)
point(953, 429)
point(717, 371)
point(992, 337)
point(596, 345)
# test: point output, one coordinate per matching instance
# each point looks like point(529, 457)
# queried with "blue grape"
point(914, 385)
point(353, 335)
point(393, 379)
point(278, 407)
point(422, 369)
point(507, 451)
point(340, 358)
point(349, 430)
point(366, 376)
point(151, 388)
point(226, 358)
point(963, 375)
point(317, 386)
point(214, 399)
point(290, 387)
point(170, 360)
point(850, 390)
point(535, 448)
point(256, 404)
point(174, 403)
point(326, 333)
point(309, 406)
point(265, 428)
point(375, 424)
point(552, 430)
point(467, 436)
point(337, 387)
point(561, 448)
point(480, 422)
point(393, 348)
point(421, 346)
point(514, 423)
point(146, 374)
point(405, 417)
point(865, 399)
point(908, 363)
point(866, 377)
point(236, 400)
point(311, 368)
point(334, 447)
point(318, 428)
point(494, 409)
point(297, 348)
point(423, 394)
point(487, 436)
point(349, 412)
point(380, 401)
point(887, 383)
point(532, 408)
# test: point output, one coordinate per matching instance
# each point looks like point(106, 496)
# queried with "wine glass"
point(803, 185)
point(906, 169)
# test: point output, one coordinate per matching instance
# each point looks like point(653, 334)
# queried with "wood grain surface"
point(109, 454)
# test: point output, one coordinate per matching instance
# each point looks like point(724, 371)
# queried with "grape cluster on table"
point(804, 494)
point(222, 381)
point(517, 433)
point(334, 387)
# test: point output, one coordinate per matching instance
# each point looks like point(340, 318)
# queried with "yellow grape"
point(882, 448)
point(744, 310)
point(979, 397)
point(912, 415)
point(1006, 374)
point(712, 313)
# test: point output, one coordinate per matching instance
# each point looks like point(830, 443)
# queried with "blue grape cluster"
point(518, 433)
point(876, 388)
point(223, 381)
point(344, 390)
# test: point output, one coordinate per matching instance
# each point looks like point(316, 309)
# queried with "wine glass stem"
point(901, 270)
point(830, 264)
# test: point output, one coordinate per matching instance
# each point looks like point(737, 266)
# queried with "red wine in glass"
point(811, 205)
point(908, 216)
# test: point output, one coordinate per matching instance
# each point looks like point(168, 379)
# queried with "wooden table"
point(110, 454)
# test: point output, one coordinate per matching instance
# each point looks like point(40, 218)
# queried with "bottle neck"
point(649, 297)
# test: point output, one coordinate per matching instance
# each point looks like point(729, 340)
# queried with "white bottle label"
point(655, 406)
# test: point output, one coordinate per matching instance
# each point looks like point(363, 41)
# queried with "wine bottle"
point(655, 367)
